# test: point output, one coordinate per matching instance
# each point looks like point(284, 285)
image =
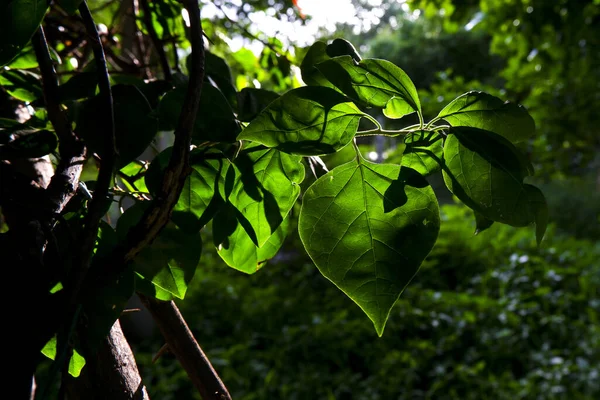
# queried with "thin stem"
point(164, 62)
point(107, 165)
point(182, 343)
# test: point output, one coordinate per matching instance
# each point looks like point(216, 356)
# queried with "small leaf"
point(215, 121)
point(484, 111)
point(28, 143)
point(307, 121)
point(237, 248)
point(426, 158)
point(368, 227)
point(22, 85)
point(170, 261)
point(316, 54)
point(79, 86)
point(374, 83)
point(486, 172)
point(342, 47)
point(76, 363)
point(134, 126)
point(19, 19)
point(252, 101)
point(263, 186)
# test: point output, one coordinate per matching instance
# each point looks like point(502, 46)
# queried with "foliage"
point(367, 226)
point(491, 316)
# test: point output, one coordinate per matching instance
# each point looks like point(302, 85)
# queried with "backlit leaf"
point(486, 172)
point(368, 227)
point(22, 85)
point(263, 185)
point(236, 247)
point(374, 83)
point(484, 111)
point(307, 121)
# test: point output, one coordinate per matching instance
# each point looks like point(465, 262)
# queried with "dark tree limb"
point(107, 165)
point(182, 343)
point(159, 212)
point(63, 184)
point(111, 374)
point(160, 51)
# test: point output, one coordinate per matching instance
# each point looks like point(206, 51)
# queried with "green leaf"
point(374, 83)
point(215, 121)
point(424, 158)
point(484, 111)
point(170, 261)
point(252, 101)
point(76, 363)
point(486, 172)
point(79, 86)
point(342, 47)
point(368, 227)
point(200, 197)
point(19, 19)
point(263, 186)
point(236, 247)
point(28, 143)
point(319, 52)
point(217, 70)
point(134, 125)
point(25, 60)
point(481, 223)
point(308, 121)
point(22, 85)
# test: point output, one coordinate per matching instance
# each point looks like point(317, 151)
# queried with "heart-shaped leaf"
point(309, 121)
point(486, 172)
point(484, 111)
point(263, 185)
point(236, 247)
point(368, 227)
point(374, 83)
point(134, 125)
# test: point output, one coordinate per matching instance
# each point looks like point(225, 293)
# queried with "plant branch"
point(159, 212)
point(63, 184)
point(182, 343)
point(107, 164)
point(164, 62)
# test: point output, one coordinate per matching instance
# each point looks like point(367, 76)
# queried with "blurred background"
point(488, 316)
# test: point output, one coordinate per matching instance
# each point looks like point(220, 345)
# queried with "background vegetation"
point(490, 316)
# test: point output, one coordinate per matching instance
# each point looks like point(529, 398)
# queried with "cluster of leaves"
point(491, 316)
point(367, 226)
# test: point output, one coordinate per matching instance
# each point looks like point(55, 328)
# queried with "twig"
point(158, 213)
point(107, 164)
point(63, 184)
point(182, 343)
point(155, 40)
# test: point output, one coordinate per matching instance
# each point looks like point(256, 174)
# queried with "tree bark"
point(112, 374)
